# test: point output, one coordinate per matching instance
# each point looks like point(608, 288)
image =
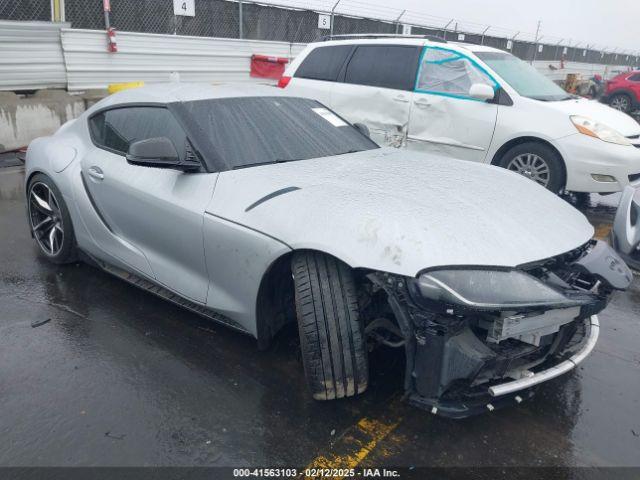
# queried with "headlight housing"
point(595, 129)
point(484, 289)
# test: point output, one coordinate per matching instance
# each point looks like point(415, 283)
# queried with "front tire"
point(49, 220)
point(621, 102)
point(331, 335)
point(537, 162)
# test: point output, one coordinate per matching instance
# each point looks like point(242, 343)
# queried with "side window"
point(448, 72)
point(635, 77)
point(388, 66)
point(118, 128)
point(323, 63)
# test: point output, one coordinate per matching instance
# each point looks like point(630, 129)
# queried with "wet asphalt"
point(118, 377)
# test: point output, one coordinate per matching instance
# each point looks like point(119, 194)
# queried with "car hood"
point(401, 212)
point(599, 112)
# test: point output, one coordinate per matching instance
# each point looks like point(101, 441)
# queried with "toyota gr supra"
point(256, 209)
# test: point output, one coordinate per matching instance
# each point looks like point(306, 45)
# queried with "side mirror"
point(481, 91)
point(158, 152)
point(363, 129)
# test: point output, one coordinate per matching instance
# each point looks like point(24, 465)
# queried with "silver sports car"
point(256, 209)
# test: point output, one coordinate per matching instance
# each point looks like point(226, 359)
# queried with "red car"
point(623, 92)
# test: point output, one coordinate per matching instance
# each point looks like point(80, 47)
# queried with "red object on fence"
point(263, 66)
point(112, 46)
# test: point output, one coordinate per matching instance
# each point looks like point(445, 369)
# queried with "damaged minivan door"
point(451, 112)
point(376, 89)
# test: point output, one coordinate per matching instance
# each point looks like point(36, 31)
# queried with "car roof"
point(470, 47)
point(186, 92)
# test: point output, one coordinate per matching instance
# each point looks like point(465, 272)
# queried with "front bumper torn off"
point(463, 360)
point(555, 371)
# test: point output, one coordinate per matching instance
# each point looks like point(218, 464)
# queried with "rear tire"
point(49, 220)
point(621, 102)
point(538, 162)
point(331, 335)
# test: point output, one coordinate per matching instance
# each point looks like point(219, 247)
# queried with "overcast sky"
point(613, 23)
point(599, 23)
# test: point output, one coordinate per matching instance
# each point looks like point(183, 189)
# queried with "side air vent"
point(275, 194)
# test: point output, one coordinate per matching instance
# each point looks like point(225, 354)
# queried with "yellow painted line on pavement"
point(354, 445)
point(602, 231)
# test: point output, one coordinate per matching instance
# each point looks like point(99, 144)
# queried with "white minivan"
point(471, 102)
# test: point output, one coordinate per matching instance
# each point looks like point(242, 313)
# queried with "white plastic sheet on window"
point(448, 72)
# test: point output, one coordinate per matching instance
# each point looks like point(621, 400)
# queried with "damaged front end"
point(477, 338)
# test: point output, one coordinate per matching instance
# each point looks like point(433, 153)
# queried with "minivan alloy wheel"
point(531, 166)
point(46, 219)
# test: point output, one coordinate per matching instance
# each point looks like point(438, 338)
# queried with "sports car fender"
point(237, 260)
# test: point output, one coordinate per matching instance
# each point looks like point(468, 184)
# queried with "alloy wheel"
point(531, 166)
point(46, 219)
point(620, 102)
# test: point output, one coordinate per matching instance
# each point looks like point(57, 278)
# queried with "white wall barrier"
point(31, 56)
point(151, 58)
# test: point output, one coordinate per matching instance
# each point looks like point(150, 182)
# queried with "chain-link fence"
point(246, 19)
point(27, 10)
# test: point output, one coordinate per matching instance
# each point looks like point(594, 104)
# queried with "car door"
point(634, 82)
point(376, 90)
point(159, 211)
point(445, 119)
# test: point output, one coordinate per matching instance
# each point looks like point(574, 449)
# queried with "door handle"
point(400, 99)
point(96, 173)
point(422, 103)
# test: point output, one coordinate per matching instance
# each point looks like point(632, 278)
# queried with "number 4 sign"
point(186, 8)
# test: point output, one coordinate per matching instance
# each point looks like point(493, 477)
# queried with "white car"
point(471, 102)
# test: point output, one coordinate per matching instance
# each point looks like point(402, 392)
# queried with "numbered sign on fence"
point(324, 21)
point(186, 8)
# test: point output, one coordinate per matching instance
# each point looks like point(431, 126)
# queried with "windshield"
point(522, 77)
point(248, 131)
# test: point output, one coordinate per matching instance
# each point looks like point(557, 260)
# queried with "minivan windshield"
point(523, 78)
point(248, 131)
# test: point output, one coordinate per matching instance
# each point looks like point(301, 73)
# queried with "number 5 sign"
point(324, 21)
point(186, 8)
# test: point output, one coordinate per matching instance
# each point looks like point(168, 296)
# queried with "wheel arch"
point(526, 139)
point(623, 91)
point(32, 174)
point(275, 305)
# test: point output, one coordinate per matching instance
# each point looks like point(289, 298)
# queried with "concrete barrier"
point(23, 118)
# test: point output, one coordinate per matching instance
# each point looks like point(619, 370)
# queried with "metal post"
point(575, 49)
point(240, 26)
point(332, 14)
point(535, 43)
point(398, 20)
point(483, 34)
point(106, 4)
point(512, 39)
point(557, 47)
point(57, 11)
point(444, 29)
